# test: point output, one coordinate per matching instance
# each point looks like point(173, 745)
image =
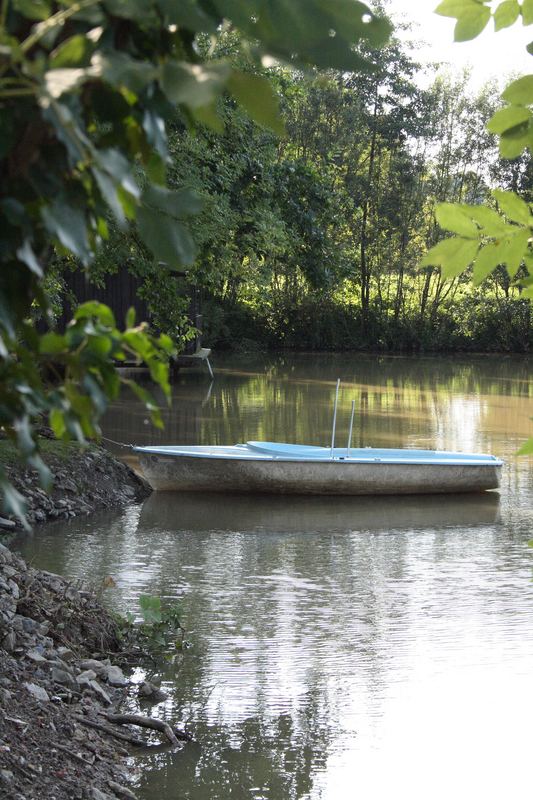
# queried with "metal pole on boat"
point(351, 428)
point(335, 416)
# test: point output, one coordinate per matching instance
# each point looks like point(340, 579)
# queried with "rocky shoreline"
point(62, 684)
point(85, 480)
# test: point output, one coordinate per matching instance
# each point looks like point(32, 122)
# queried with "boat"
point(282, 468)
point(268, 467)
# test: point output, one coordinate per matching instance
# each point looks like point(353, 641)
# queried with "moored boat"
point(279, 468)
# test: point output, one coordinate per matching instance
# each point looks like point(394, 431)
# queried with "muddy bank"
point(60, 685)
point(85, 480)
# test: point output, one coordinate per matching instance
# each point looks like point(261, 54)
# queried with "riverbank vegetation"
point(313, 240)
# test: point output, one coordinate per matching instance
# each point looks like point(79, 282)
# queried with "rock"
point(100, 692)
point(63, 678)
point(66, 654)
point(121, 791)
point(147, 691)
point(85, 678)
point(14, 589)
point(115, 677)
point(6, 776)
point(5, 696)
point(9, 642)
point(96, 794)
point(35, 656)
point(38, 692)
point(7, 524)
point(97, 666)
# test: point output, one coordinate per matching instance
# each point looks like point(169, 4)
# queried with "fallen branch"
point(73, 755)
point(98, 726)
point(144, 722)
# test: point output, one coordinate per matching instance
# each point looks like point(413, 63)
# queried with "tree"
point(86, 88)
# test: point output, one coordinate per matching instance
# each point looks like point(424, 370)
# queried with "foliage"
point(86, 90)
point(161, 627)
point(484, 236)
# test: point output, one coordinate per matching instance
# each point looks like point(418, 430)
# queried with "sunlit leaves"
point(507, 118)
point(472, 17)
point(454, 218)
point(483, 236)
point(506, 14)
point(488, 258)
point(453, 256)
point(513, 207)
point(527, 12)
point(520, 91)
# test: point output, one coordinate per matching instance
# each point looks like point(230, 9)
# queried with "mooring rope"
point(119, 444)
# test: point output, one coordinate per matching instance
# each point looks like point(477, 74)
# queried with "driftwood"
point(144, 722)
point(98, 726)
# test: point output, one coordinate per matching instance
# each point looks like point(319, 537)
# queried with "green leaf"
point(506, 14)
point(67, 223)
point(94, 309)
point(257, 96)
point(486, 262)
point(513, 250)
point(513, 207)
point(187, 14)
point(507, 118)
point(194, 85)
point(180, 203)
point(527, 12)
point(526, 450)
point(150, 608)
point(472, 22)
point(140, 10)
point(25, 253)
point(120, 70)
point(74, 52)
point(52, 343)
point(453, 8)
point(168, 239)
point(56, 420)
point(489, 220)
point(452, 255)
point(514, 141)
point(130, 317)
point(520, 92)
point(33, 9)
point(14, 502)
point(453, 218)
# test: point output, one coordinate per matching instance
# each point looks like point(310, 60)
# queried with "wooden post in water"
point(335, 416)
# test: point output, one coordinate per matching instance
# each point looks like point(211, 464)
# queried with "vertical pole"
point(351, 428)
point(335, 416)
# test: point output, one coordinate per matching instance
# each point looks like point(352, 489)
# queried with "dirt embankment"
point(63, 735)
point(61, 683)
point(84, 480)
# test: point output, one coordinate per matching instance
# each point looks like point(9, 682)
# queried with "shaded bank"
point(84, 480)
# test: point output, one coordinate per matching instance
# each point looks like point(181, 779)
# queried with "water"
point(367, 647)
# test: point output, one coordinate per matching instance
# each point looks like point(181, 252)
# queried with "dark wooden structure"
point(120, 293)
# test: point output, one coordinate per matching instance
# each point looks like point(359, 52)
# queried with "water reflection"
point(281, 514)
point(341, 646)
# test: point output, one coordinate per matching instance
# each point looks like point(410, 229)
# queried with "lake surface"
point(341, 647)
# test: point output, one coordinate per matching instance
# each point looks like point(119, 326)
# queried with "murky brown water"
point(370, 648)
